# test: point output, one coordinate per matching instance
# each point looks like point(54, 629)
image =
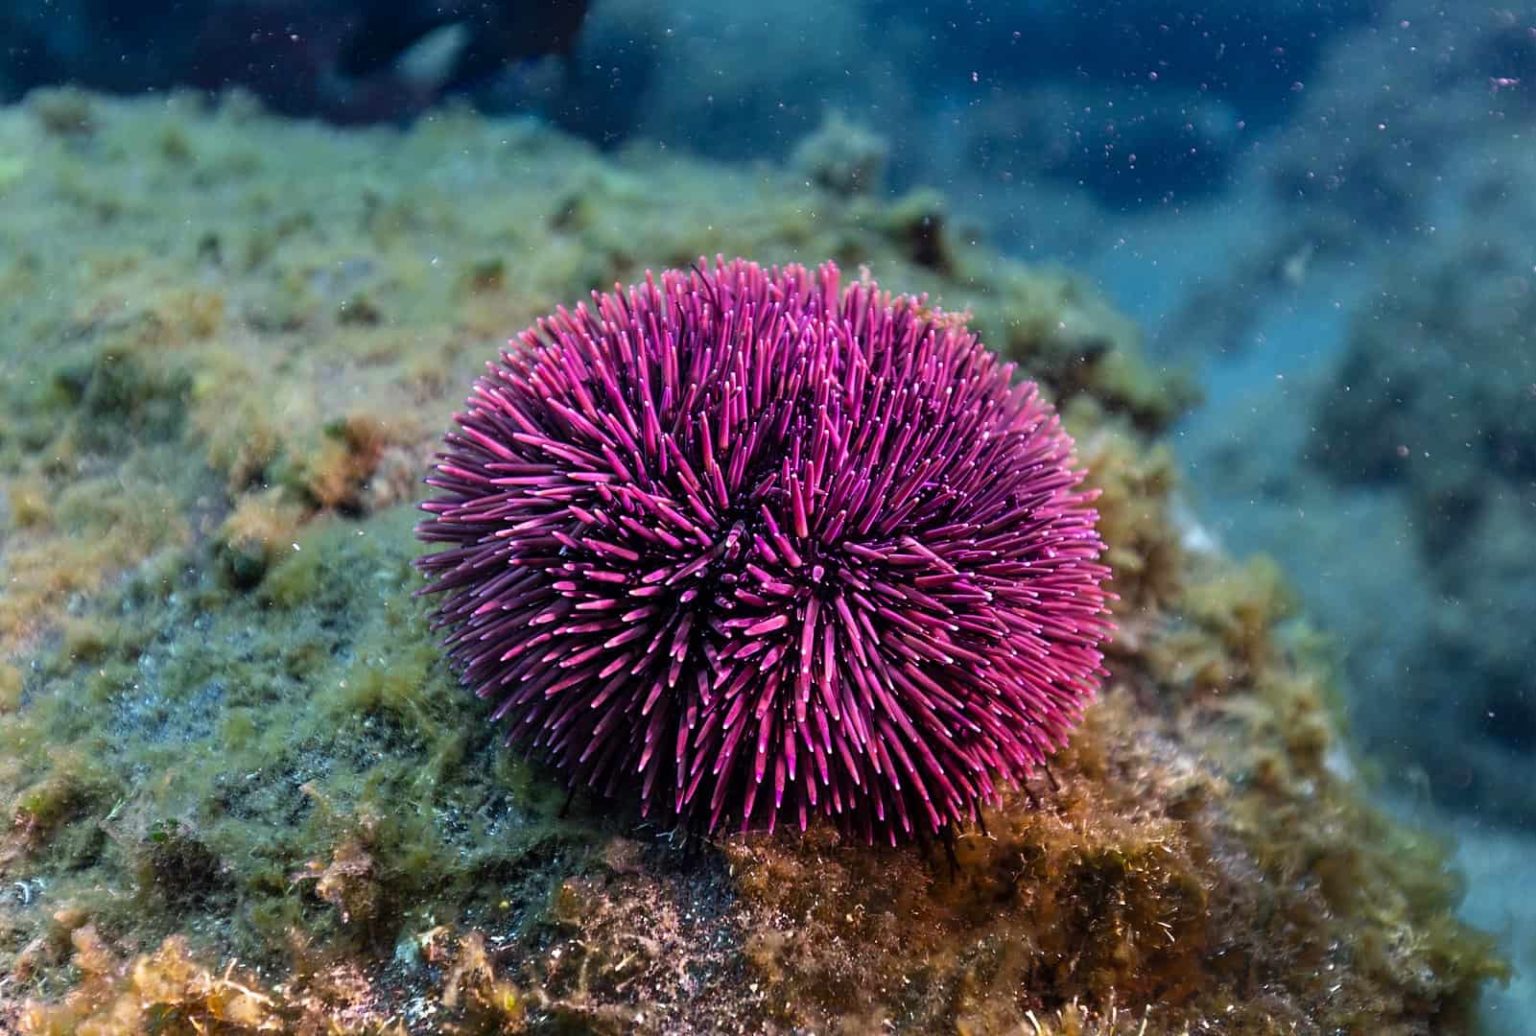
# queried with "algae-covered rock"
point(245, 794)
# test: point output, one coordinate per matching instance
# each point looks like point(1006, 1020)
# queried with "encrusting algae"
point(245, 794)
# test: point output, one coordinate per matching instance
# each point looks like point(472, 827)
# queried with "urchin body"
point(748, 547)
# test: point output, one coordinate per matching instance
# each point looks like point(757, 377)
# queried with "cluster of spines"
point(751, 547)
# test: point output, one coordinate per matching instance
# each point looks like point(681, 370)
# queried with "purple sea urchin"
point(754, 547)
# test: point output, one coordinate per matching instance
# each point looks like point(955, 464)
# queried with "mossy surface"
point(244, 794)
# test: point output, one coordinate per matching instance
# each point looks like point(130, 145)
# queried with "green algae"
point(226, 733)
point(117, 400)
point(310, 767)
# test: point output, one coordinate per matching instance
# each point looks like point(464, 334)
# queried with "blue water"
point(1322, 209)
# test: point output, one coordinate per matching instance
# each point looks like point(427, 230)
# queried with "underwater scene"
point(605, 516)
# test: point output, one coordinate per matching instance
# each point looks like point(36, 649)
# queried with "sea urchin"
point(752, 547)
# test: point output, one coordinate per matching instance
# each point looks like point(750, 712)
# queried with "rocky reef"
point(1388, 308)
point(243, 793)
point(1434, 403)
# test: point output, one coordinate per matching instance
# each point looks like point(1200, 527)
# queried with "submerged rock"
point(245, 792)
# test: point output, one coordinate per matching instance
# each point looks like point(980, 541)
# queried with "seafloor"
point(244, 794)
